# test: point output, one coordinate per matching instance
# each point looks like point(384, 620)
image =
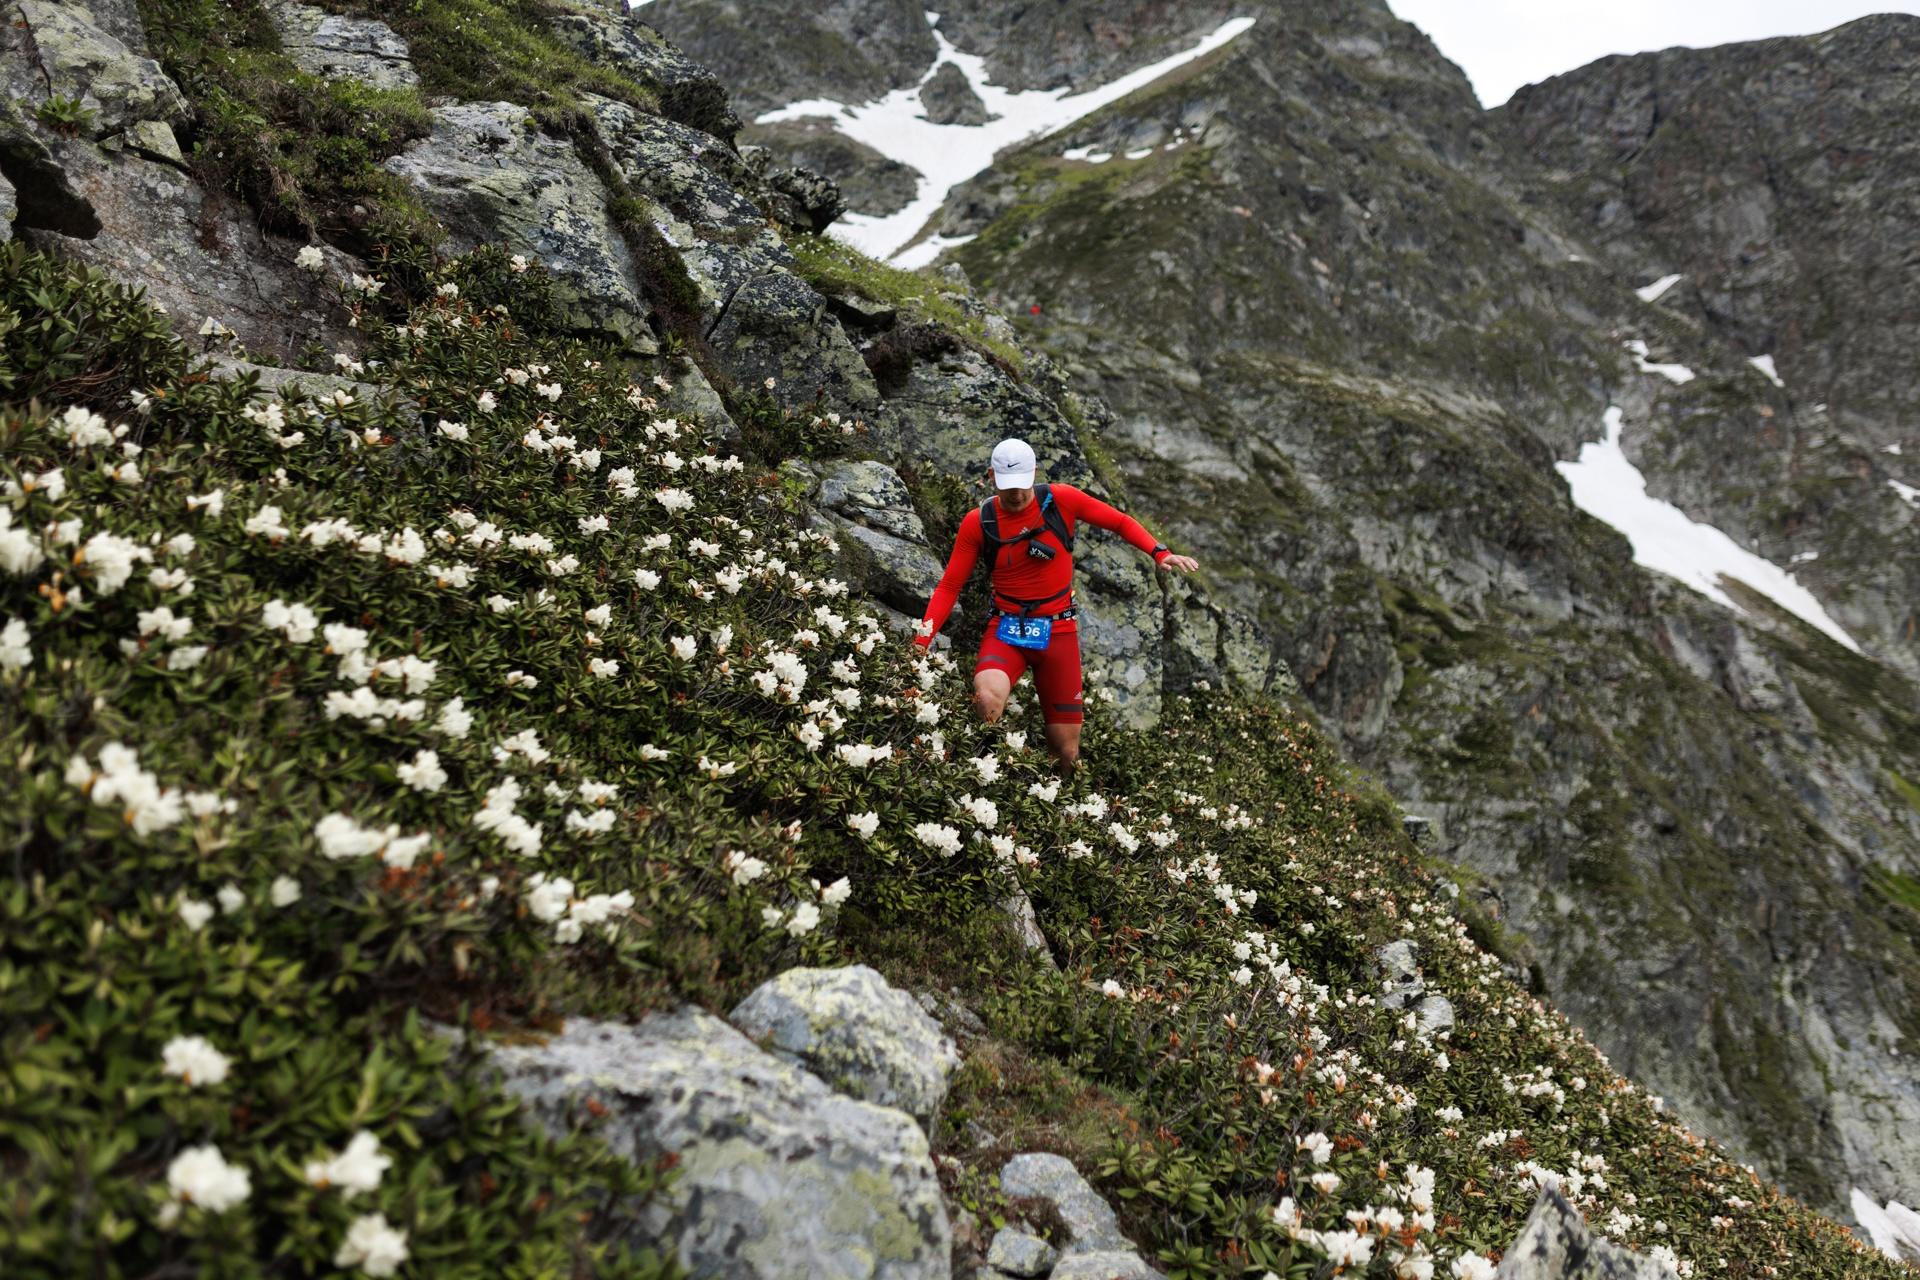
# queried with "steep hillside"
point(1345, 342)
point(452, 686)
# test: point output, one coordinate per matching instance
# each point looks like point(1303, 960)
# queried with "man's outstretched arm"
point(1079, 505)
point(966, 552)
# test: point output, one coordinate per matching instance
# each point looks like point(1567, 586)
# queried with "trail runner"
point(1028, 534)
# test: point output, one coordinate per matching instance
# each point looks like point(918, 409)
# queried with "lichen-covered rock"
point(1398, 973)
point(1557, 1245)
point(1018, 908)
point(872, 493)
point(811, 201)
point(197, 253)
point(868, 181)
point(44, 196)
point(82, 60)
point(947, 98)
point(857, 1032)
point(611, 36)
point(155, 140)
point(1091, 1226)
point(1105, 1264)
point(8, 203)
point(490, 175)
point(778, 1177)
point(271, 382)
point(775, 326)
point(1020, 1253)
point(335, 46)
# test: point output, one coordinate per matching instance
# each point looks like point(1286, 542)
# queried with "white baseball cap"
point(1013, 464)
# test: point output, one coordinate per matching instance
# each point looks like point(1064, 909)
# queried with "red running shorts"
point(1056, 671)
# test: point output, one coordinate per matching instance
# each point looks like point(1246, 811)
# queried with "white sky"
point(1503, 44)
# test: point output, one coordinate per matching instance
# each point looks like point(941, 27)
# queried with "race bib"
point(1026, 633)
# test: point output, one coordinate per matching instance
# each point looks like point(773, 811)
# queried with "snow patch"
point(1666, 540)
point(1894, 1230)
point(1139, 153)
point(1677, 374)
point(946, 155)
point(922, 252)
point(1907, 491)
point(1657, 290)
point(1893, 449)
point(1087, 153)
point(1765, 365)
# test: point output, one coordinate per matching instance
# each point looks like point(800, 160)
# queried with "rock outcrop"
point(1093, 1247)
point(862, 1036)
point(492, 176)
point(335, 46)
point(778, 1176)
point(1557, 1244)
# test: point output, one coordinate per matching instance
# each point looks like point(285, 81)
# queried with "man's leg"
point(994, 675)
point(1063, 741)
point(991, 688)
point(1056, 679)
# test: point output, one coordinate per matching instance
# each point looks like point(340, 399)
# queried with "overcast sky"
point(1503, 44)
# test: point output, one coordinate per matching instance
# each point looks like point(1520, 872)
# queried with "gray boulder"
point(779, 1177)
point(334, 46)
point(81, 59)
point(857, 1032)
point(870, 509)
point(1107, 1264)
point(8, 204)
point(1091, 1226)
point(804, 199)
point(1556, 1244)
point(760, 319)
point(196, 252)
point(866, 179)
point(44, 198)
point(1398, 974)
point(947, 98)
point(1018, 1253)
point(873, 494)
point(687, 92)
point(489, 174)
point(775, 326)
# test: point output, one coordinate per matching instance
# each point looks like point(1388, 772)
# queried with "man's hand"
point(1185, 564)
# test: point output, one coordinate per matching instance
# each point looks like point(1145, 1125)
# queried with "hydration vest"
point(1052, 520)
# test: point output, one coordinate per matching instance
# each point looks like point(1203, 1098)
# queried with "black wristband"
point(1158, 547)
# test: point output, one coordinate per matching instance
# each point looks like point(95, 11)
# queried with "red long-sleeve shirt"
point(1018, 576)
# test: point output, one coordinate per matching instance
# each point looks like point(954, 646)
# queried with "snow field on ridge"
point(947, 155)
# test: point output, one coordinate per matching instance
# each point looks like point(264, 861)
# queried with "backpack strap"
point(990, 528)
point(1054, 518)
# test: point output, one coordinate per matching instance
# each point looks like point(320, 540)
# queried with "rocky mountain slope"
point(1347, 325)
point(446, 664)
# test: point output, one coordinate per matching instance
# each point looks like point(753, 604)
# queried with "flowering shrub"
point(336, 729)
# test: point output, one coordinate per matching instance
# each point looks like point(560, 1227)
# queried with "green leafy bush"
point(342, 734)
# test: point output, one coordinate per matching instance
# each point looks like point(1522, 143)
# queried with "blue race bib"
point(1025, 633)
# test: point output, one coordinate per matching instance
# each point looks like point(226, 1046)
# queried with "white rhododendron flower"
point(194, 1060)
point(373, 1246)
point(16, 649)
point(284, 892)
point(1473, 1266)
point(939, 838)
point(423, 772)
point(864, 824)
point(201, 1176)
point(357, 1168)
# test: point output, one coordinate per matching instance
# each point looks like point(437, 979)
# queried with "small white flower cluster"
point(552, 900)
point(340, 838)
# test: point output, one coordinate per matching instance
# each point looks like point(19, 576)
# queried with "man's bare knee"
point(989, 703)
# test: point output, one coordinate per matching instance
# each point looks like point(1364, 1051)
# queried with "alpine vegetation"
point(350, 733)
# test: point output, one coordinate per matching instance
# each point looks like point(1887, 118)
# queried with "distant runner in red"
point(1028, 535)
